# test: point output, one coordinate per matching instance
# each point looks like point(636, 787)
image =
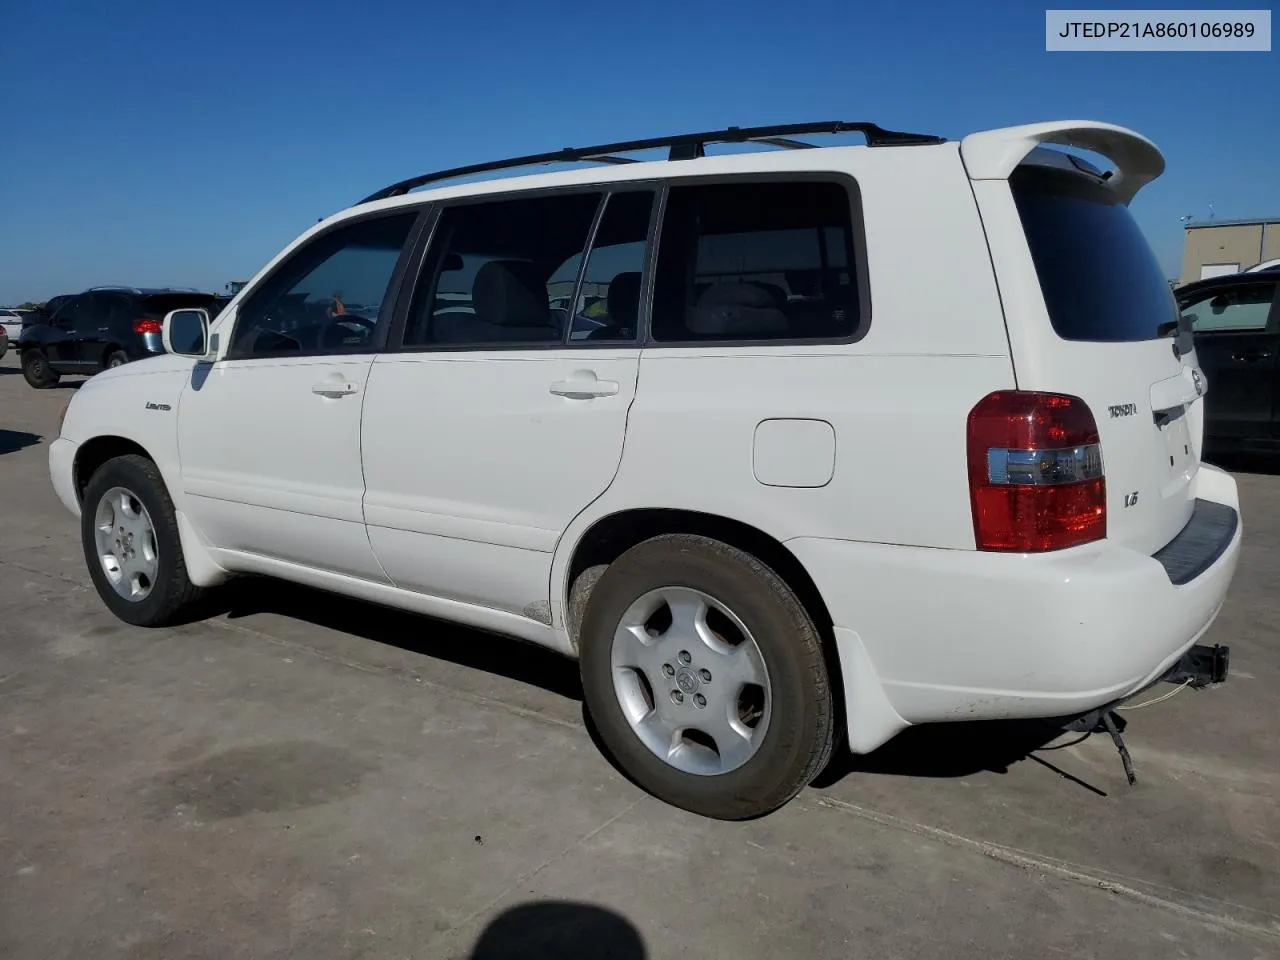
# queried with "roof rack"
point(114, 286)
point(684, 146)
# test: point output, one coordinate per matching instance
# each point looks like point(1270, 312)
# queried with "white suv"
point(785, 490)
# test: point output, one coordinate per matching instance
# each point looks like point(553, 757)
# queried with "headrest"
point(729, 310)
point(509, 293)
point(623, 301)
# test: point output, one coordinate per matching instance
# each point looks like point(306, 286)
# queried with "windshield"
point(1100, 279)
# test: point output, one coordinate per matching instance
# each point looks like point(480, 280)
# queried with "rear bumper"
point(928, 635)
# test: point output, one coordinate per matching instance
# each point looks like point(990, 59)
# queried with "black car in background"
point(100, 328)
point(1236, 324)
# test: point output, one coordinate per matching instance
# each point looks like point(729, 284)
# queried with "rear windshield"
point(1100, 279)
point(162, 303)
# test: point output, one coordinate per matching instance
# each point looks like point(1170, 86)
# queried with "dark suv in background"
point(100, 328)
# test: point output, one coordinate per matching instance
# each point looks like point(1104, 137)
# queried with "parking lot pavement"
point(312, 777)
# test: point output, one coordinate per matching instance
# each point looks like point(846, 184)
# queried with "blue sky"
point(184, 144)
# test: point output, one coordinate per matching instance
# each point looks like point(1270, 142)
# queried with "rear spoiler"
point(994, 154)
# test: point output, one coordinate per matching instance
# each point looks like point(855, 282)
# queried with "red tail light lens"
point(1035, 472)
point(146, 326)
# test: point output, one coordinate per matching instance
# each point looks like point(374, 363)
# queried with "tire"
point(167, 591)
point(36, 370)
point(116, 358)
point(797, 714)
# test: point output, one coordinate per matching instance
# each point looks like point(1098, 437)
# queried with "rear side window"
point(1099, 277)
point(756, 262)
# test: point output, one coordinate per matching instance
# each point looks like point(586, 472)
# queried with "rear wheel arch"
point(610, 536)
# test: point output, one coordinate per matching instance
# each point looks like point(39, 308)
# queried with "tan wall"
point(1237, 244)
point(1271, 246)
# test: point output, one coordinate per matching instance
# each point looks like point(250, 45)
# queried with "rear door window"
point(1099, 277)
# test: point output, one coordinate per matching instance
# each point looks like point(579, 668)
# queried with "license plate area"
point(1178, 450)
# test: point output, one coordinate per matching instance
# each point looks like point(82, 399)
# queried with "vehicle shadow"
point(938, 750)
point(951, 750)
point(414, 633)
point(13, 440)
point(558, 930)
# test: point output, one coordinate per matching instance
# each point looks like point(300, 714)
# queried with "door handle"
point(584, 387)
point(334, 388)
point(1251, 356)
point(103, 329)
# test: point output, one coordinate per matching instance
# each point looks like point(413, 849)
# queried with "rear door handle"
point(584, 387)
point(334, 388)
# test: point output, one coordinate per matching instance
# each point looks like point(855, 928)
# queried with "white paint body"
point(458, 484)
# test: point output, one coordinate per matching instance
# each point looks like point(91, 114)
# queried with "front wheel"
point(129, 529)
point(36, 370)
point(705, 677)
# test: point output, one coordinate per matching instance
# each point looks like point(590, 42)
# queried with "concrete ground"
point(303, 776)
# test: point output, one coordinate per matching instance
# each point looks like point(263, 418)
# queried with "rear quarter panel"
point(897, 400)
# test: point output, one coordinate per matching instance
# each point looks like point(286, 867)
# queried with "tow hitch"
point(1201, 666)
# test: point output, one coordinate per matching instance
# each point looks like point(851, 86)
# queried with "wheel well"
point(613, 535)
point(94, 453)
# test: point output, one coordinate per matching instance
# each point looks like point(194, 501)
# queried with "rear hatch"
point(1112, 338)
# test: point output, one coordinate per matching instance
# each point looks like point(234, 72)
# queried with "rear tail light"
point(1035, 472)
point(144, 325)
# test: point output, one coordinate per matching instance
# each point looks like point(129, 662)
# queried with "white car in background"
point(11, 326)
point(789, 493)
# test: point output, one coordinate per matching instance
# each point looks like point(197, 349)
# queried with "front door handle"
point(334, 388)
point(584, 386)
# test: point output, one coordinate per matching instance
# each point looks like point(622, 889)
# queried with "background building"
point(1214, 247)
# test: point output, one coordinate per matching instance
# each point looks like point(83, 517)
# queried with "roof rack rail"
point(684, 146)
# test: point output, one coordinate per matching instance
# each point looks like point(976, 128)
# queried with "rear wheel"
point(129, 529)
point(705, 677)
point(36, 370)
point(116, 358)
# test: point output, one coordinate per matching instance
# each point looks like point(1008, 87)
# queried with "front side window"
point(495, 269)
point(756, 262)
point(327, 298)
point(1239, 308)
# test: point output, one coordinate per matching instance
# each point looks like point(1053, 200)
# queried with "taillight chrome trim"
point(1044, 466)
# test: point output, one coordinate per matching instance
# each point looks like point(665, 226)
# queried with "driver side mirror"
point(186, 332)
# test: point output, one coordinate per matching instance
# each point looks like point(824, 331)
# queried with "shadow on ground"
point(498, 655)
point(13, 440)
point(949, 750)
point(941, 750)
point(558, 930)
